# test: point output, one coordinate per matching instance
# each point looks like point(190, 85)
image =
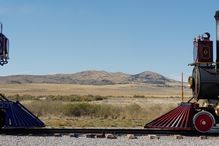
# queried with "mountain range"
point(90, 78)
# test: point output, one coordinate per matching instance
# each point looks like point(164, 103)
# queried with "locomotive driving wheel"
point(203, 121)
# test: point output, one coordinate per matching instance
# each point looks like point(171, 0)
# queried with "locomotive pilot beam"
point(204, 83)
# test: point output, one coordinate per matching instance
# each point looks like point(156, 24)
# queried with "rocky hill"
point(89, 78)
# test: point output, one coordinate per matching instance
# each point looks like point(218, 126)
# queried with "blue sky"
point(131, 36)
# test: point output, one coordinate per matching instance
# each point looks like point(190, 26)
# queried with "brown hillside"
point(90, 78)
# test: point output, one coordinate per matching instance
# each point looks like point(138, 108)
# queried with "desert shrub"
point(91, 110)
point(78, 110)
point(139, 96)
point(103, 110)
point(67, 98)
point(45, 108)
point(133, 108)
point(108, 111)
point(98, 97)
point(22, 97)
point(91, 98)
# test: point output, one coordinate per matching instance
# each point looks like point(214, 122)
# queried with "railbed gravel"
point(66, 140)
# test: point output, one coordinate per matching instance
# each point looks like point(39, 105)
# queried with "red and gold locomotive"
point(204, 83)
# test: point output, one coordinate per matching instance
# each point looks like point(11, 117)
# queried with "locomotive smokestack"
point(217, 36)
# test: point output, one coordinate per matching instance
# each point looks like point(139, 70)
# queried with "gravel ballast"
point(120, 141)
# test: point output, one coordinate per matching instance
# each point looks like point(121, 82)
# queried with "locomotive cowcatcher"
point(204, 83)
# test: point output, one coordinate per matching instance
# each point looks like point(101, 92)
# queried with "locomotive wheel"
point(203, 121)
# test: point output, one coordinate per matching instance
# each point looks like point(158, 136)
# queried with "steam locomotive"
point(204, 82)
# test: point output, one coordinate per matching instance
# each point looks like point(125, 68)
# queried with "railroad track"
point(63, 131)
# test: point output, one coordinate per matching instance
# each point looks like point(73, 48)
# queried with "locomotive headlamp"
point(191, 82)
point(217, 34)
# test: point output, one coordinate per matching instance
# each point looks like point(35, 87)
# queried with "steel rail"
point(52, 131)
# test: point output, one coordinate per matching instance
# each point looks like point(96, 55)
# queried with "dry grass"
point(126, 90)
point(106, 113)
point(123, 105)
point(91, 122)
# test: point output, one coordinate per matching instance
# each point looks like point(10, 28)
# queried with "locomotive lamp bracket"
point(4, 47)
